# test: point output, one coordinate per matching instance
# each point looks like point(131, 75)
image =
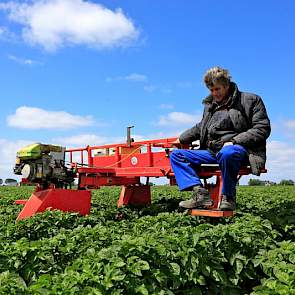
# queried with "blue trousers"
point(230, 158)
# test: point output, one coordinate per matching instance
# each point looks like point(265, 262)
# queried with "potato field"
point(151, 250)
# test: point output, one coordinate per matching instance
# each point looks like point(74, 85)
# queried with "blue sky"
point(78, 72)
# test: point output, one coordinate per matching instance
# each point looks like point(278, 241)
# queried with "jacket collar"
point(233, 95)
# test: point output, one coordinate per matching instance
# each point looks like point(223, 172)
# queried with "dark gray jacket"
point(242, 119)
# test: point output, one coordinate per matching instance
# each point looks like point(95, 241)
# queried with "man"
point(232, 133)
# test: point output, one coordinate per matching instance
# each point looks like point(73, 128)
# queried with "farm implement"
point(54, 169)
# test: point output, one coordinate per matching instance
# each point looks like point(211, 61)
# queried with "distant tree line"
point(257, 182)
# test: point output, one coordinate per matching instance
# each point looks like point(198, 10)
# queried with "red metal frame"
point(124, 164)
point(52, 199)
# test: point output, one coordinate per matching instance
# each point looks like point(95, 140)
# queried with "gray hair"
point(217, 75)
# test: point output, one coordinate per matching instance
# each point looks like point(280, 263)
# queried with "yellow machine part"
point(35, 151)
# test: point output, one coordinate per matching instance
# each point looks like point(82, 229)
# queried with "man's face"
point(219, 92)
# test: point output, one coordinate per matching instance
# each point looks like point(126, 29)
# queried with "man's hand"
point(228, 143)
point(176, 143)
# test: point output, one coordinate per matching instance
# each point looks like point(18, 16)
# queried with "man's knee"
point(227, 153)
point(176, 155)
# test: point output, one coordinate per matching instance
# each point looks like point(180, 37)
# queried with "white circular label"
point(26, 171)
point(134, 161)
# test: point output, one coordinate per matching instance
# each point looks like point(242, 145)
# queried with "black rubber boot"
point(227, 204)
point(200, 199)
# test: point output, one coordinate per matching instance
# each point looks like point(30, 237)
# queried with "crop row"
point(153, 250)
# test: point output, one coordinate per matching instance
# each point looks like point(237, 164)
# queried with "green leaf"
point(90, 252)
point(206, 270)
point(118, 262)
point(160, 276)
point(196, 238)
point(283, 276)
point(247, 240)
point(142, 290)
point(292, 258)
point(176, 268)
point(118, 276)
point(138, 266)
point(239, 266)
point(235, 256)
point(143, 265)
point(235, 281)
point(219, 276)
point(200, 280)
point(161, 250)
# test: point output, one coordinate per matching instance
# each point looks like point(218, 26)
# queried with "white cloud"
point(81, 140)
point(162, 134)
point(56, 23)
point(8, 151)
point(36, 118)
point(280, 162)
point(290, 124)
point(163, 89)
point(149, 88)
point(23, 61)
point(166, 106)
point(134, 77)
point(2, 31)
point(5, 34)
point(178, 118)
point(289, 129)
point(283, 127)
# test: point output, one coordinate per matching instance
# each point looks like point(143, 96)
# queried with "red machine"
point(121, 164)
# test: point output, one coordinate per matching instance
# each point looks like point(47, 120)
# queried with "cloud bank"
point(81, 140)
point(37, 118)
point(8, 151)
point(133, 77)
point(178, 118)
point(23, 61)
point(53, 24)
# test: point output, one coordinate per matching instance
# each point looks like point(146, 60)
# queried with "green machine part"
point(35, 151)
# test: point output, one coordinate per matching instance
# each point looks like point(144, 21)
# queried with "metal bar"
point(163, 141)
point(212, 213)
point(90, 158)
point(118, 157)
point(150, 155)
point(129, 139)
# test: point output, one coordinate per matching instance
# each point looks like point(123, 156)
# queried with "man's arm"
point(190, 135)
point(260, 129)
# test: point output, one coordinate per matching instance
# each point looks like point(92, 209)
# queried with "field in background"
point(152, 250)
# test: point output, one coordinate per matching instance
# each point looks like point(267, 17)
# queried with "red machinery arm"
point(121, 164)
point(148, 158)
point(124, 164)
